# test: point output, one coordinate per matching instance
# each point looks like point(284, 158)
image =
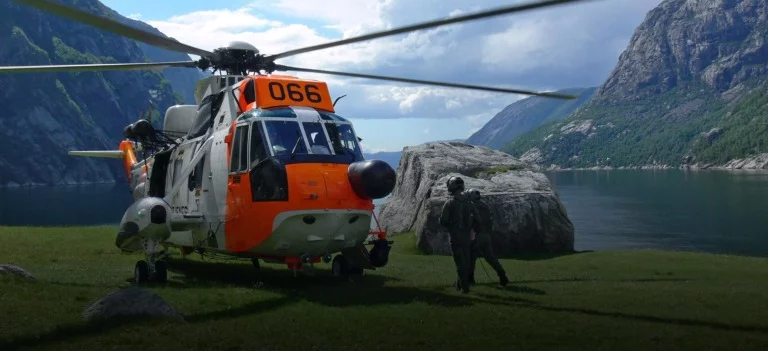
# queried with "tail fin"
point(125, 152)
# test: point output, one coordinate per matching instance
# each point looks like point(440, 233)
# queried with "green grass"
point(497, 170)
point(594, 300)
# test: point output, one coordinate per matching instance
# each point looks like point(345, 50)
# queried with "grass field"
point(594, 300)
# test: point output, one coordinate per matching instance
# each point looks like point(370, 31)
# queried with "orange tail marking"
point(129, 157)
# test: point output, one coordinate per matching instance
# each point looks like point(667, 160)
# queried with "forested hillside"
point(526, 114)
point(47, 114)
point(690, 87)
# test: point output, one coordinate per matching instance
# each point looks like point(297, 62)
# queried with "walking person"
point(458, 216)
point(482, 245)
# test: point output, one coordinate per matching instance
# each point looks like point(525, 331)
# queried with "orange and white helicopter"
point(266, 169)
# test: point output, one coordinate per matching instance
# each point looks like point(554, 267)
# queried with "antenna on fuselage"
point(337, 99)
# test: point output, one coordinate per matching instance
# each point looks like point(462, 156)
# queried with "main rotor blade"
point(114, 26)
point(473, 16)
point(426, 82)
point(96, 67)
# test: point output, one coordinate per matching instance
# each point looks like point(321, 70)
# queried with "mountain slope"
point(526, 114)
point(46, 114)
point(691, 68)
point(183, 80)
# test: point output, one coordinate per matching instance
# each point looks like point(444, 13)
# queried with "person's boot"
point(503, 281)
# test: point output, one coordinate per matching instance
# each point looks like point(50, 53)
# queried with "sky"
point(566, 46)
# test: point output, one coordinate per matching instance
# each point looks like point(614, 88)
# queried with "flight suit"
point(458, 216)
point(482, 245)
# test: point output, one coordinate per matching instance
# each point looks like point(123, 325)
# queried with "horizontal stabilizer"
point(101, 153)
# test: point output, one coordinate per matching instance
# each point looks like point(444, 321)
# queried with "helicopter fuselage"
point(281, 183)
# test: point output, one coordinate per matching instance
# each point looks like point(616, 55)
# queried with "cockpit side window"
point(349, 140)
point(318, 143)
point(258, 145)
point(335, 135)
point(284, 137)
point(344, 140)
point(238, 162)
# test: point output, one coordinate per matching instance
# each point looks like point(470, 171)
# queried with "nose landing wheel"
point(342, 268)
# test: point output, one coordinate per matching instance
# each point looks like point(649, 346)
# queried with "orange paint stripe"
point(129, 157)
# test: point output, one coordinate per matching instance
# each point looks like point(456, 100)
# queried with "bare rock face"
point(528, 215)
point(130, 303)
point(721, 42)
point(16, 271)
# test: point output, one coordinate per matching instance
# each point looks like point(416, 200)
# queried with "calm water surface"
point(713, 211)
point(719, 212)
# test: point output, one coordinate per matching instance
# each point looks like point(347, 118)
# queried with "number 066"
point(278, 92)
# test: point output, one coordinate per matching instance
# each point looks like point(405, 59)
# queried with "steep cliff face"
point(692, 67)
point(526, 114)
point(44, 115)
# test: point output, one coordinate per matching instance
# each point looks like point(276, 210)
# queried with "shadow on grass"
point(321, 288)
point(325, 290)
point(540, 256)
point(762, 329)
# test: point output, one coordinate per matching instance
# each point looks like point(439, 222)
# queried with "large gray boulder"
point(528, 215)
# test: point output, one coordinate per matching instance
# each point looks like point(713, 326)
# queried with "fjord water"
point(709, 211)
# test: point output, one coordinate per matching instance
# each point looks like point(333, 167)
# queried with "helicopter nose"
point(371, 179)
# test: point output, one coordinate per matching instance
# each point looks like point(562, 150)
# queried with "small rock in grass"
point(9, 269)
point(131, 303)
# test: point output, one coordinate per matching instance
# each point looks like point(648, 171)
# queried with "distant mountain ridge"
point(45, 115)
point(690, 88)
point(526, 114)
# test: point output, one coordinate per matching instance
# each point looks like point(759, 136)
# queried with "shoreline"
point(14, 185)
point(649, 168)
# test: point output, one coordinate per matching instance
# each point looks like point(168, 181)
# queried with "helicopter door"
point(180, 202)
point(239, 187)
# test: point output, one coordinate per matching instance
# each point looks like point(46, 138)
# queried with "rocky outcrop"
point(528, 214)
point(131, 303)
point(691, 82)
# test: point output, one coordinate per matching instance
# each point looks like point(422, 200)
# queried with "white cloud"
point(566, 46)
point(134, 16)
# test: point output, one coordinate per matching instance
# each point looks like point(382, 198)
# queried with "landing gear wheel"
point(356, 271)
point(340, 266)
point(141, 272)
point(161, 272)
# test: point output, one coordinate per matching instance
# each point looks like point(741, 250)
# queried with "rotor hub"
point(237, 57)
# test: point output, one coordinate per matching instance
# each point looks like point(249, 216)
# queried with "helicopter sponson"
point(147, 219)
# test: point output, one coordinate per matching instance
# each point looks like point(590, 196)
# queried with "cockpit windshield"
point(337, 141)
point(318, 143)
point(284, 137)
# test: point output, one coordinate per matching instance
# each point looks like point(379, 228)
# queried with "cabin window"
point(344, 140)
point(284, 137)
point(238, 162)
point(196, 177)
point(258, 148)
point(318, 143)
